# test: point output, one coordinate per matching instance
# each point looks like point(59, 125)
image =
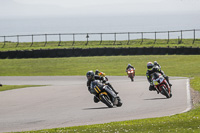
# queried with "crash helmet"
point(155, 62)
point(150, 66)
point(97, 72)
point(90, 75)
point(129, 65)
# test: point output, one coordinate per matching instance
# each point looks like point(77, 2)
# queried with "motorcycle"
point(131, 73)
point(161, 85)
point(105, 94)
point(102, 74)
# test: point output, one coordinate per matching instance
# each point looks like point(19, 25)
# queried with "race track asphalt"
point(65, 101)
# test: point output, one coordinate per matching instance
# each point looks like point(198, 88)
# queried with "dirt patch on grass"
point(195, 95)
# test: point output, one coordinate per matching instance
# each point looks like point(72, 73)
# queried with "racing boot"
point(167, 78)
point(152, 88)
point(96, 99)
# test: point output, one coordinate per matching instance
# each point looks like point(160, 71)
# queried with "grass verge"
point(11, 87)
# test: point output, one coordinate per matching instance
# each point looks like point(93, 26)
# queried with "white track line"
point(189, 102)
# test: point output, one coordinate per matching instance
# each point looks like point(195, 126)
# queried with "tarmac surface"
point(65, 101)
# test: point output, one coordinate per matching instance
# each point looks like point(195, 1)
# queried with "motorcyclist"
point(105, 81)
point(102, 74)
point(91, 77)
point(129, 66)
point(151, 68)
point(156, 64)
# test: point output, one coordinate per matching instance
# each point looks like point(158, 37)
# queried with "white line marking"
point(189, 102)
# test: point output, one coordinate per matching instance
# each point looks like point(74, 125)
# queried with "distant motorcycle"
point(131, 73)
point(161, 84)
point(105, 94)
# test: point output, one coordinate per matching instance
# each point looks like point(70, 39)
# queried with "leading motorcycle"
point(131, 73)
point(161, 85)
point(105, 94)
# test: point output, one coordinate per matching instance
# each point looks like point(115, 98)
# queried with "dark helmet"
point(150, 66)
point(90, 75)
point(97, 72)
point(129, 65)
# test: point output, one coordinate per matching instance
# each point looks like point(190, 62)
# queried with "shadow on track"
point(96, 108)
point(155, 98)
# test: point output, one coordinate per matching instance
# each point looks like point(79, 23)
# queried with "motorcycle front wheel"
point(105, 99)
point(132, 79)
point(166, 92)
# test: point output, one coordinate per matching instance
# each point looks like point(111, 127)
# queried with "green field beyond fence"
point(186, 38)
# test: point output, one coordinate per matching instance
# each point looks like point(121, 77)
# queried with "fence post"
point(128, 38)
point(141, 38)
point(168, 38)
point(101, 38)
point(115, 38)
point(181, 36)
point(17, 40)
point(32, 41)
point(45, 40)
point(155, 38)
point(73, 39)
point(87, 36)
point(4, 41)
point(59, 40)
point(194, 37)
point(178, 40)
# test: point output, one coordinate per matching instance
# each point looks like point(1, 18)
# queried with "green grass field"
point(12, 46)
point(11, 87)
point(172, 65)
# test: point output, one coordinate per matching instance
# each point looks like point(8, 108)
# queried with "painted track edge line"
point(189, 102)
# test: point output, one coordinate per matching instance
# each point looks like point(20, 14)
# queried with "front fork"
point(157, 89)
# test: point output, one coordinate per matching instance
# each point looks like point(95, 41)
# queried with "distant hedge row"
point(50, 53)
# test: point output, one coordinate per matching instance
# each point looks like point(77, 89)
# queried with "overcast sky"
point(41, 8)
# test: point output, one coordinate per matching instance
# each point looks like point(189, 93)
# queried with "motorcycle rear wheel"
point(119, 102)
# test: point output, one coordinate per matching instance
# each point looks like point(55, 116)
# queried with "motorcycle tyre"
point(119, 102)
point(106, 101)
point(165, 92)
point(132, 79)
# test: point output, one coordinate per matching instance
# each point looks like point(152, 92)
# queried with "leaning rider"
point(102, 74)
point(156, 64)
point(151, 68)
point(91, 77)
